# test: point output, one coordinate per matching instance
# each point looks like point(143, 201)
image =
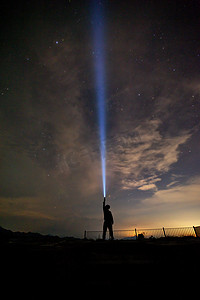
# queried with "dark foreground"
point(39, 268)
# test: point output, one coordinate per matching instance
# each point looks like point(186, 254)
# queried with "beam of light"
point(99, 63)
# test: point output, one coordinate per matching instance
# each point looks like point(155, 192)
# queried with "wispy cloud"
point(147, 183)
point(140, 155)
point(172, 183)
point(187, 193)
point(148, 187)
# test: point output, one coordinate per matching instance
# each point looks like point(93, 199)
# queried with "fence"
point(147, 233)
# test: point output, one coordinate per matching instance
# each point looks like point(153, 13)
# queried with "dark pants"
point(107, 225)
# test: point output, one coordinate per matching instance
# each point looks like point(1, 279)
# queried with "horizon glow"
point(99, 64)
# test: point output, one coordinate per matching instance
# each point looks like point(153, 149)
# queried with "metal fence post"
point(136, 233)
point(195, 231)
point(164, 232)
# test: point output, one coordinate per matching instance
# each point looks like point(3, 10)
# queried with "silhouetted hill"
point(6, 235)
point(5, 232)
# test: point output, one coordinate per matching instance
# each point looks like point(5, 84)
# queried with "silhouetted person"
point(108, 220)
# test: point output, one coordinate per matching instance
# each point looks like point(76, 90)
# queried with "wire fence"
point(139, 233)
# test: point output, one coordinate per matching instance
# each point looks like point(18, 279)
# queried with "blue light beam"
point(99, 64)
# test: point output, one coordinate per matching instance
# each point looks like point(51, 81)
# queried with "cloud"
point(140, 183)
point(29, 207)
point(50, 166)
point(148, 187)
point(172, 183)
point(181, 194)
point(141, 154)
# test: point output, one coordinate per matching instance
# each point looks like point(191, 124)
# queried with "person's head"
point(107, 207)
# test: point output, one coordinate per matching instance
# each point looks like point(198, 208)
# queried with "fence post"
point(136, 233)
point(195, 231)
point(85, 234)
point(164, 232)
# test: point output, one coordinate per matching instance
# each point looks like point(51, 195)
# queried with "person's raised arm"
point(104, 200)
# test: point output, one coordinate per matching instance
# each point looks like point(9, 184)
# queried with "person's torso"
point(107, 215)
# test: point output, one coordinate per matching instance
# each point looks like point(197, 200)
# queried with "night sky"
point(50, 169)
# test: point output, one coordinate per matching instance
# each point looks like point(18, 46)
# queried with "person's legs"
point(111, 231)
point(104, 230)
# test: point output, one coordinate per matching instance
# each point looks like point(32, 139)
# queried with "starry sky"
point(50, 169)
